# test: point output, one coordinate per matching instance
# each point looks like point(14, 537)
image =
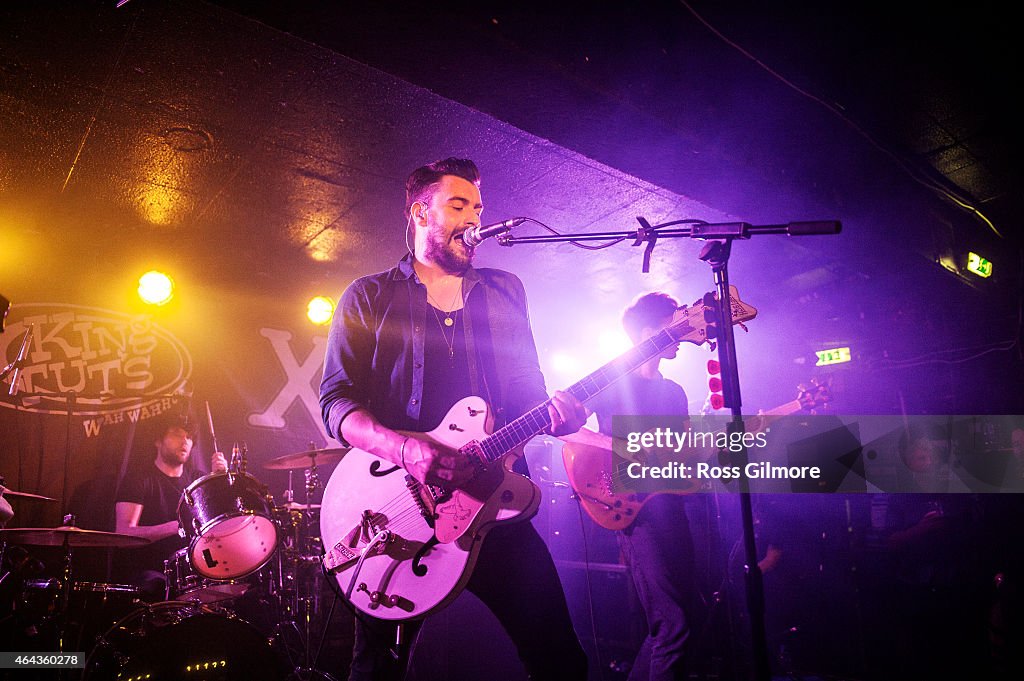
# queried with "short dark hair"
point(183, 422)
point(648, 310)
point(423, 180)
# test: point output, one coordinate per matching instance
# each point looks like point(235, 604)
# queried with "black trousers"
point(515, 577)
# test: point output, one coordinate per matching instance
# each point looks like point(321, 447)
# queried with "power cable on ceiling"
point(103, 99)
point(914, 173)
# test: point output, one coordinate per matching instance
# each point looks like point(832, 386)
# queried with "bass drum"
point(93, 606)
point(174, 640)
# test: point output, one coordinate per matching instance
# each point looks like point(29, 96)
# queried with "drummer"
point(147, 506)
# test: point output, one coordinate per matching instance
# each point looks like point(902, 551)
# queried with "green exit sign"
point(979, 265)
point(833, 356)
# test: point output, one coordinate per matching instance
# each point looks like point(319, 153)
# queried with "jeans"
point(658, 549)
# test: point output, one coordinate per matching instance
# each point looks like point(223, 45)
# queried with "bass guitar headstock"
point(697, 323)
point(815, 396)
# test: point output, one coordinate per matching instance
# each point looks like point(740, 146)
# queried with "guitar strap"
point(482, 366)
point(485, 374)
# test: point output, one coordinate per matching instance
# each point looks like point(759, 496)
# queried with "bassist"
point(657, 546)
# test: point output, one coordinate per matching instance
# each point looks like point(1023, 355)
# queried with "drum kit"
point(243, 551)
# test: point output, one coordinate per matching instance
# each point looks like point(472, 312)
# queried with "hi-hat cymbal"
point(306, 459)
point(70, 536)
point(8, 492)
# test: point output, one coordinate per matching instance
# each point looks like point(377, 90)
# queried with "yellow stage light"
point(156, 288)
point(320, 310)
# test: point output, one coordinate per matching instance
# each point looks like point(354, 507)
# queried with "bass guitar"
point(592, 469)
point(400, 549)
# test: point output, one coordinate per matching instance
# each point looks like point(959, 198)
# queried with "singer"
point(407, 344)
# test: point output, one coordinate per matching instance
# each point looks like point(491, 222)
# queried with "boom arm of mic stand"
point(721, 230)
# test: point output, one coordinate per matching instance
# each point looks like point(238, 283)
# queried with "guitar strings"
point(402, 512)
point(397, 511)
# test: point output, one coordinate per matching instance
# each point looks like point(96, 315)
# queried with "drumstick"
point(213, 434)
point(209, 421)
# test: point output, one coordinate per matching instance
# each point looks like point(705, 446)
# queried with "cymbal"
point(8, 492)
point(306, 459)
point(296, 506)
point(73, 536)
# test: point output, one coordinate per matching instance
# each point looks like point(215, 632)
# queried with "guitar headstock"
point(697, 323)
point(815, 396)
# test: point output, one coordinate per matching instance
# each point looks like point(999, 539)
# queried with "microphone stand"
point(19, 362)
point(716, 254)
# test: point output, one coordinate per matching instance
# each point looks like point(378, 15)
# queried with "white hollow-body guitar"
point(400, 549)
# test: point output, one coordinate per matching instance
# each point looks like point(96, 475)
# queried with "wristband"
point(401, 451)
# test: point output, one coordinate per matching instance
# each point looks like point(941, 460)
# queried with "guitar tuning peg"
point(712, 345)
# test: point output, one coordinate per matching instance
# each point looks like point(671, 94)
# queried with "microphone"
point(22, 353)
point(474, 236)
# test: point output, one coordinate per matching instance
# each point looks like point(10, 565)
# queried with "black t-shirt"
point(445, 367)
point(446, 377)
point(634, 395)
point(159, 495)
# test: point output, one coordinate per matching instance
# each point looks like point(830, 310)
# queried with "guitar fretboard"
point(533, 422)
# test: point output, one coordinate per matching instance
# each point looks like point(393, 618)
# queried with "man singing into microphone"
point(407, 344)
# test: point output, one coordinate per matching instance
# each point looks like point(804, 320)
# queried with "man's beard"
point(441, 251)
point(172, 458)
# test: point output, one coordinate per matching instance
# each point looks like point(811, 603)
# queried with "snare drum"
point(183, 584)
point(228, 521)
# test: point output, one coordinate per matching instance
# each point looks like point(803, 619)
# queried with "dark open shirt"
point(375, 349)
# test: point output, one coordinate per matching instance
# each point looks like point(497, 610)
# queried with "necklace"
point(449, 321)
point(449, 342)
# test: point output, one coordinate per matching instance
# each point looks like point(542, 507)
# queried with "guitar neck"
point(766, 418)
point(786, 409)
point(535, 421)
